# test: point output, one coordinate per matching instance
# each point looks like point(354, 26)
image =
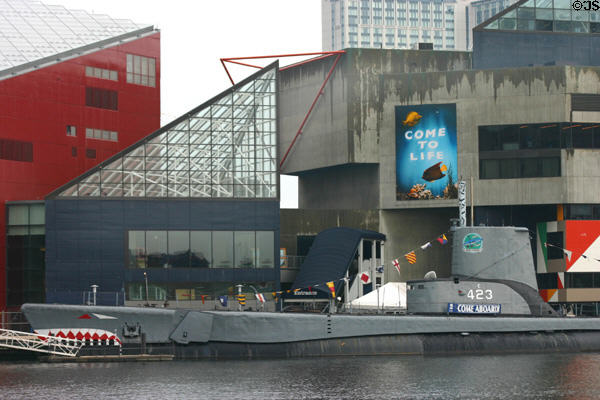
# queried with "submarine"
point(488, 304)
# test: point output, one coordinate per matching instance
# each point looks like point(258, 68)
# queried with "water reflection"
point(530, 376)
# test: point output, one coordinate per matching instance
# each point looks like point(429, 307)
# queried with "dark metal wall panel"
point(86, 241)
point(494, 49)
point(585, 102)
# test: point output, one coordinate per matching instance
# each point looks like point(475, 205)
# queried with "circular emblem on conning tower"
point(472, 243)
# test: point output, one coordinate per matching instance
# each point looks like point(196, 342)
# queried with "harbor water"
point(522, 376)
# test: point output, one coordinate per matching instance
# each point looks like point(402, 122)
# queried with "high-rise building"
point(394, 24)
point(75, 88)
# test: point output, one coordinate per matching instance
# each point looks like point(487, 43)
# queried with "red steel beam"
point(319, 93)
point(321, 54)
point(284, 55)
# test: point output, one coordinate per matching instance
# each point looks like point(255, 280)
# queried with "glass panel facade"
point(31, 30)
point(190, 291)
point(200, 249)
point(179, 248)
point(548, 16)
point(265, 248)
point(225, 149)
point(245, 249)
point(222, 249)
point(156, 249)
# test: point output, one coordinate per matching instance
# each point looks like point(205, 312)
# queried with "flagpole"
point(472, 204)
point(347, 289)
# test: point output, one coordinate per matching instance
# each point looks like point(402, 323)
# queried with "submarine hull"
point(187, 334)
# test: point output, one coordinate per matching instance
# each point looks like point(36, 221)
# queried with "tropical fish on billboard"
point(412, 119)
point(435, 172)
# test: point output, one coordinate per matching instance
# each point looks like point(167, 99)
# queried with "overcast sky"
point(195, 34)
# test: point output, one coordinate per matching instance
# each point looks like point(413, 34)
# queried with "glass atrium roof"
point(223, 148)
point(30, 30)
point(545, 16)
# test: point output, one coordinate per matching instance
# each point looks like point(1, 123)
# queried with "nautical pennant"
point(561, 279)
point(411, 257)
point(223, 300)
point(331, 287)
point(426, 246)
point(442, 239)
point(365, 278)
point(396, 264)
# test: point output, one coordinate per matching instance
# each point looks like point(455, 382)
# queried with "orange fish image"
point(435, 172)
point(413, 193)
point(412, 119)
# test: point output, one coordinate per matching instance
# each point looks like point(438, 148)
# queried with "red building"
point(62, 113)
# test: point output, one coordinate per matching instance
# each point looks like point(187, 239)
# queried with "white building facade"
point(394, 24)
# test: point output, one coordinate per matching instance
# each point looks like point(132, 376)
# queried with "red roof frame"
point(321, 55)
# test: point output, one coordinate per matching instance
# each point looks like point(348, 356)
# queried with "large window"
point(101, 134)
point(101, 98)
point(101, 73)
point(141, 70)
point(25, 251)
point(531, 150)
point(16, 150)
point(200, 249)
point(223, 249)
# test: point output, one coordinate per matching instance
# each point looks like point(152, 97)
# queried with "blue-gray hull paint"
point(408, 344)
point(216, 335)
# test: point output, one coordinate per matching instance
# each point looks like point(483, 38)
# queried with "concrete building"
point(75, 88)
point(393, 24)
point(524, 137)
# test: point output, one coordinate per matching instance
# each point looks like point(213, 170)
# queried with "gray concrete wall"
point(354, 123)
point(344, 126)
point(489, 97)
point(351, 186)
point(374, 82)
point(581, 172)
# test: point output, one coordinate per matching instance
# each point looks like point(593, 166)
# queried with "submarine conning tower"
point(493, 252)
point(492, 273)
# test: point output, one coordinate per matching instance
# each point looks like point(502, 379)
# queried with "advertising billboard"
point(426, 155)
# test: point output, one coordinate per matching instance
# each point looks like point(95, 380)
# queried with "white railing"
point(39, 343)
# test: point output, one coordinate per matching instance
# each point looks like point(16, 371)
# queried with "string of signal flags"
point(411, 256)
point(365, 277)
point(569, 253)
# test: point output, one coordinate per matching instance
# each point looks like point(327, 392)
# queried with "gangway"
point(40, 343)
